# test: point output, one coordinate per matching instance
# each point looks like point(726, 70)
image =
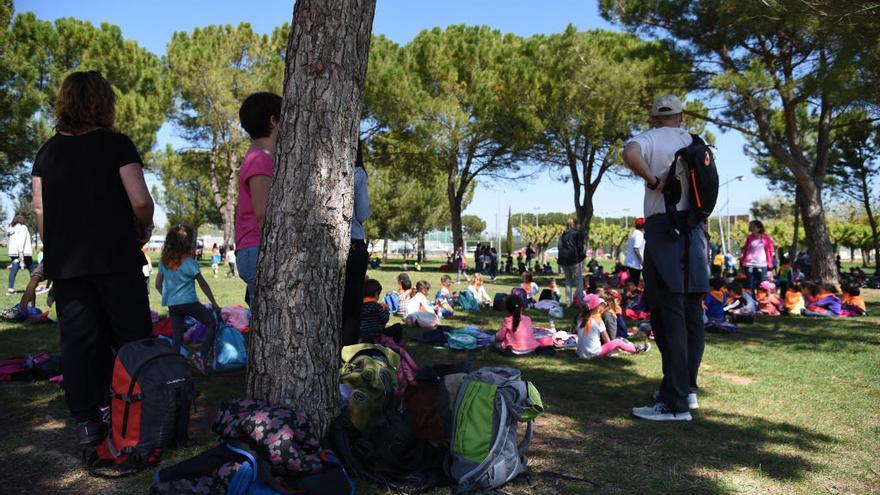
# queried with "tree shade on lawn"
point(300, 273)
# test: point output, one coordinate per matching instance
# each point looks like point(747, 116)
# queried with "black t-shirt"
point(88, 222)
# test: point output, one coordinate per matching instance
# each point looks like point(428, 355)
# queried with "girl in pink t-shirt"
point(259, 114)
point(516, 335)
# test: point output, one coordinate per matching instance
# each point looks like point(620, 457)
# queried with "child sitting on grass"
point(768, 301)
point(531, 288)
point(852, 303)
point(715, 300)
point(420, 312)
point(794, 299)
point(475, 286)
point(593, 340)
point(822, 301)
point(374, 315)
point(740, 307)
point(443, 299)
point(404, 292)
point(516, 335)
point(615, 325)
point(178, 273)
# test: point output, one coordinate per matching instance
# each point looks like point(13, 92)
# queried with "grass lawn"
point(788, 405)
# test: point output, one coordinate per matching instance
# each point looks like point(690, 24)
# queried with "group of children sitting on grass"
point(600, 327)
point(734, 304)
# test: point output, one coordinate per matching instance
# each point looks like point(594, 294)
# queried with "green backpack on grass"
point(370, 371)
point(482, 411)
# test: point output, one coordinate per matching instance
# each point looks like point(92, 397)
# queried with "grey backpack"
point(487, 406)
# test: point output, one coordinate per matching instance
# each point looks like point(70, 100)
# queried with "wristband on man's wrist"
point(653, 186)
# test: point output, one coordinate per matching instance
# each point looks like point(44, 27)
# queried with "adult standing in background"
point(20, 248)
point(94, 212)
point(572, 252)
point(759, 255)
point(635, 252)
point(259, 114)
point(675, 266)
point(356, 266)
point(460, 265)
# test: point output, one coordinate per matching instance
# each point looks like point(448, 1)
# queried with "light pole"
point(738, 178)
point(626, 218)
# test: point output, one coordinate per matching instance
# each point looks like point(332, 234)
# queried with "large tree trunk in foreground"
point(294, 358)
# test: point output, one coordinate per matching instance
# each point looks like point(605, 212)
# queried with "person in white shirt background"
point(20, 249)
point(635, 252)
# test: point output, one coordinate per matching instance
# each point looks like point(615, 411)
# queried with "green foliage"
point(542, 236)
point(609, 236)
point(473, 226)
point(186, 189)
point(36, 57)
point(213, 69)
point(585, 120)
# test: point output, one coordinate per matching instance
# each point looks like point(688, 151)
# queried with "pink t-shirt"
point(522, 340)
point(247, 231)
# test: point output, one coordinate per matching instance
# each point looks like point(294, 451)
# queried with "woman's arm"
point(132, 176)
point(159, 279)
point(37, 184)
point(603, 336)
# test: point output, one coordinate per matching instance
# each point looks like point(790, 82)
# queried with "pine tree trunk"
point(792, 253)
point(294, 358)
point(824, 265)
point(385, 250)
point(455, 220)
point(421, 247)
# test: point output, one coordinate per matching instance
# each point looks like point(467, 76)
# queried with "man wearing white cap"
point(675, 269)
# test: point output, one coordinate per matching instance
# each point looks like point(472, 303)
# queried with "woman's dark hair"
point(514, 306)
point(372, 288)
point(758, 224)
point(18, 219)
point(179, 243)
point(256, 112)
point(85, 100)
point(422, 285)
point(527, 277)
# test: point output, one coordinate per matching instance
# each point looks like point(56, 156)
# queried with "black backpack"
point(701, 177)
point(152, 392)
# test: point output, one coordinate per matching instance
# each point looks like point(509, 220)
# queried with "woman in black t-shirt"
point(94, 211)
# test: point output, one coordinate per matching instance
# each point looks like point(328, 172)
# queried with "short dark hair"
point(716, 283)
point(372, 288)
point(853, 291)
point(404, 281)
point(735, 287)
point(256, 111)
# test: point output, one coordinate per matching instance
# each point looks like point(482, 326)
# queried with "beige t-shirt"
point(658, 149)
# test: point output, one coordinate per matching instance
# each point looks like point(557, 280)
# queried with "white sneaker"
point(692, 401)
point(10, 291)
point(660, 412)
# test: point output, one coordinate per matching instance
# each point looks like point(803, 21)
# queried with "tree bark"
point(455, 218)
point(824, 264)
point(294, 358)
point(385, 250)
point(792, 253)
point(872, 220)
point(420, 249)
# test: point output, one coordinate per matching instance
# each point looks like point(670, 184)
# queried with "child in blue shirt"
point(178, 273)
point(715, 300)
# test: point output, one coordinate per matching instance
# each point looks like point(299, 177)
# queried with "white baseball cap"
point(666, 105)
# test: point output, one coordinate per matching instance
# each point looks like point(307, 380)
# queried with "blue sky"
point(152, 23)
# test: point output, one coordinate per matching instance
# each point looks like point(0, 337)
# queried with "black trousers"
point(635, 275)
point(203, 315)
point(355, 275)
point(96, 315)
point(677, 322)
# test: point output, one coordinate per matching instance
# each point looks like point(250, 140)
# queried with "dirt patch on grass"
point(736, 379)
